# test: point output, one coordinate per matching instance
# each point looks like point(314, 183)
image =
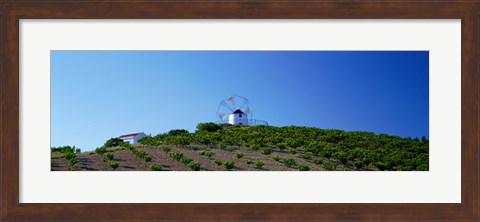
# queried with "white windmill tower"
point(236, 109)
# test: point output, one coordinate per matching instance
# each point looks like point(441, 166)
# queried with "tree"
point(209, 127)
point(113, 142)
point(177, 132)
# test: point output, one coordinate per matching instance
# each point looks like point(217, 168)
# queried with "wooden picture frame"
point(12, 11)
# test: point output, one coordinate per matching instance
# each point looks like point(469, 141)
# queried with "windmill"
point(236, 110)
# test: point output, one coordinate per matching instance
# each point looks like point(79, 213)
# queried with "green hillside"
point(237, 147)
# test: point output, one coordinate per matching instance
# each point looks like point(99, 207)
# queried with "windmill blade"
point(244, 101)
point(222, 116)
point(225, 104)
point(232, 100)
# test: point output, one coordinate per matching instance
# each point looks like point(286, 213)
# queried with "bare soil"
point(90, 161)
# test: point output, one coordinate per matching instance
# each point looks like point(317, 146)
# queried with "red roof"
point(128, 135)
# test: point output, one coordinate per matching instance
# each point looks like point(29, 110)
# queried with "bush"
point(282, 146)
point(317, 161)
point(209, 127)
point(255, 147)
point(239, 155)
point(155, 167)
point(248, 162)
point(186, 160)
point(195, 148)
point(72, 161)
point(422, 167)
point(195, 166)
point(222, 146)
point(329, 166)
point(178, 132)
point(166, 149)
point(109, 156)
point(306, 156)
point(381, 166)
point(147, 158)
point(266, 151)
point(114, 165)
point(406, 168)
point(289, 162)
point(218, 162)
point(101, 150)
point(276, 158)
point(358, 164)
point(292, 151)
point(203, 152)
point(302, 167)
point(229, 165)
point(175, 155)
point(259, 164)
point(209, 154)
point(70, 156)
point(113, 142)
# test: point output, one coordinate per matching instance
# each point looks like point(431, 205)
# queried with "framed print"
point(172, 110)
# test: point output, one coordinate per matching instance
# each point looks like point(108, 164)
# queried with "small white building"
point(132, 138)
point(238, 117)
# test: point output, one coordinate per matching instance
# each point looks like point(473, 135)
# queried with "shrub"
point(203, 152)
point(255, 147)
point(195, 166)
point(101, 150)
point(229, 165)
point(166, 149)
point(302, 167)
point(113, 142)
point(239, 155)
point(317, 161)
point(218, 162)
point(292, 151)
point(222, 146)
point(186, 160)
point(422, 167)
point(195, 148)
point(329, 166)
point(74, 167)
point(209, 154)
point(276, 158)
point(109, 156)
point(406, 168)
point(266, 151)
point(281, 146)
point(178, 132)
point(209, 127)
point(114, 165)
point(288, 162)
point(72, 161)
point(381, 166)
point(175, 155)
point(155, 167)
point(70, 156)
point(358, 164)
point(306, 156)
point(248, 162)
point(230, 149)
point(259, 164)
point(147, 158)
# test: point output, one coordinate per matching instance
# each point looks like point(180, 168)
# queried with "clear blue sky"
point(96, 95)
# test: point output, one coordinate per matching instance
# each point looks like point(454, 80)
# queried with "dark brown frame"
point(13, 10)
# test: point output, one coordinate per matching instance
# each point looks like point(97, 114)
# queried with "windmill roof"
point(238, 111)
